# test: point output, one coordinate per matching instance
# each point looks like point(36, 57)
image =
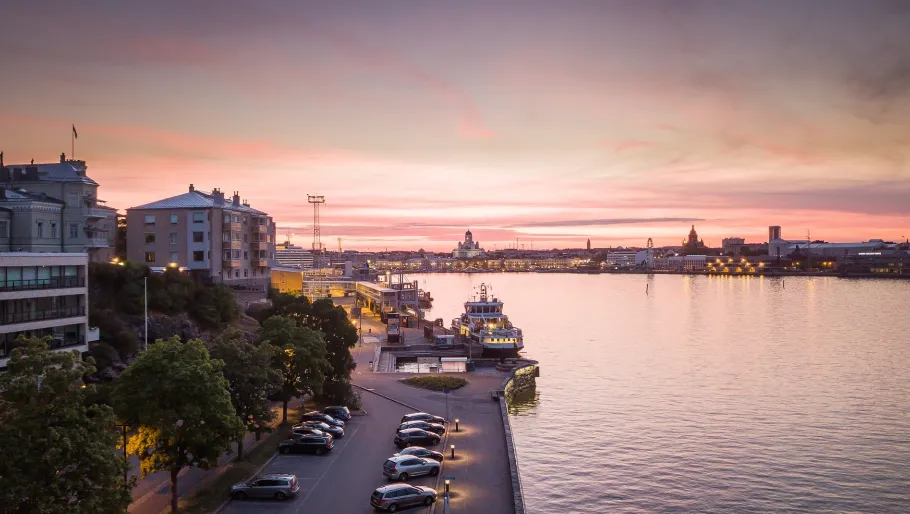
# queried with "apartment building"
point(54, 207)
point(291, 256)
point(44, 294)
point(206, 234)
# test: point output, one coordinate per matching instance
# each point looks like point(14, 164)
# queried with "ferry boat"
point(484, 322)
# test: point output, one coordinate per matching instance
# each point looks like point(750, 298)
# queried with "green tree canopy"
point(340, 337)
point(251, 379)
point(179, 399)
point(57, 454)
point(301, 360)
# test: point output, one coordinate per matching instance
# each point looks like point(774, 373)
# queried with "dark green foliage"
point(251, 379)
point(179, 399)
point(214, 305)
point(301, 360)
point(57, 449)
point(114, 332)
point(104, 354)
point(436, 382)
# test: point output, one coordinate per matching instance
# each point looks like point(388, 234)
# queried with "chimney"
point(62, 158)
point(236, 199)
point(219, 197)
point(192, 188)
point(1, 159)
point(246, 203)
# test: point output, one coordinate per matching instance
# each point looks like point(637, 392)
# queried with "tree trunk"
point(174, 472)
point(284, 411)
point(240, 447)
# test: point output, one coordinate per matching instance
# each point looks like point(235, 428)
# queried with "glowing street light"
point(453, 451)
point(456, 424)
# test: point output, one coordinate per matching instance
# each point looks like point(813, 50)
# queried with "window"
point(198, 237)
point(235, 254)
point(227, 255)
point(149, 238)
point(245, 273)
point(173, 219)
point(236, 273)
point(226, 237)
point(174, 257)
point(4, 228)
point(198, 217)
point(246, 256)
point(149, 219)
point(198, 256)
point(40, 224)
point(149, 256)
point(74, 230)
point(54, 229)
point(246, 238)
point(235, 236)
point(172, 238)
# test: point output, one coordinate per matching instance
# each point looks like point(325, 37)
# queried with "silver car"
point(279, 486)
point(393, 497)
point(406, 466)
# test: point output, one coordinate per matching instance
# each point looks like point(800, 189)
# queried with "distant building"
point(44, 295)
point(773, 233)
point(627, 258)
point(54, 207)
point(468, 249)
point(686, 262)
point(693, 245)
point(225, 240)
point(589, 244)
point(825, 250)
point(291, 256)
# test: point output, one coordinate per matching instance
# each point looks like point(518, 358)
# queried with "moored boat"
point(484, 322)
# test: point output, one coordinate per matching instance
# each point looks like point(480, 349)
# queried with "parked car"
point(424, 425)
point(392, 497)
point(317, 444)
point(325, 418)
point(410, 436)
point(423, 416)
point(337, 432)
point(420, 451)
point(279, 486)
point(338, 412)
point(301, 430)
point(406, 466)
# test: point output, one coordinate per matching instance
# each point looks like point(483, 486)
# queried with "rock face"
point(162, 326)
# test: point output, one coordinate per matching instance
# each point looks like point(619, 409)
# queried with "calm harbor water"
point(707, 394)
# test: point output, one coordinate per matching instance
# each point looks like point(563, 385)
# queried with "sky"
point(529, 122)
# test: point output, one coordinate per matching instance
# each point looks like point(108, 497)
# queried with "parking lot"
point(343, 479)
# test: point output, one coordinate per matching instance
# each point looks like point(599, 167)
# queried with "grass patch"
point(436, 382)
point(213, 491)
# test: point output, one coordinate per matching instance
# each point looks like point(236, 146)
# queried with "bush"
point(340, 393)
point(436, 382)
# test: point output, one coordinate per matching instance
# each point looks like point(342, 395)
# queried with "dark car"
point(412, 436)
point(325, 418)
point(423, 416)
point(423, 425)
point(420, 451)
point(336, 432)
point(273, 485)
point(301, 430)
point(338, 412)
point(307, 444)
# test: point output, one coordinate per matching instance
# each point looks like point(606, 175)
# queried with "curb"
point(258, 471)
point(415, 409)
point(445, 445)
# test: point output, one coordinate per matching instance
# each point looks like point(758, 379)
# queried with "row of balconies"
point(237, 263)
point(11, 318)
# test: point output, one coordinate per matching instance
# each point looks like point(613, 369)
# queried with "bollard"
point(456, 424)
point(453, 454)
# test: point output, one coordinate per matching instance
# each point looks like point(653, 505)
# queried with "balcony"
point(11, 318)
point(96, 242)
point(94, 334)
point(231, 227)
point(236, 245)
point(231, 263)
point(263, 229)
point(95, 213)
point(42, 283)
point(261, 263)
point(6, 347)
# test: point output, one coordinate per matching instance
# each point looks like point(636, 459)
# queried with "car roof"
point(393, 487)
point(417, 414)
point(397, 458)
point(336, 407)
point(277, 475)
point(413, 448)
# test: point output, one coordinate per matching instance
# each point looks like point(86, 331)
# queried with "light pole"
point(126, 472)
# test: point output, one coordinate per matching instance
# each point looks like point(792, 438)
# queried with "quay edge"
point(521, 379)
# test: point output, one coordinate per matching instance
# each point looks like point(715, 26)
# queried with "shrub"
point(436, 382)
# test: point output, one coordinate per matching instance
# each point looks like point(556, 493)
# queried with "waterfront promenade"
point(343, 480)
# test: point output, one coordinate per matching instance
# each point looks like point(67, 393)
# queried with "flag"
point(75, 134)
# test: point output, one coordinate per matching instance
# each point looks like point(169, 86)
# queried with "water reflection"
point(525, 403)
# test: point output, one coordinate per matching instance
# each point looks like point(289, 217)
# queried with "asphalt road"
point(342, 480)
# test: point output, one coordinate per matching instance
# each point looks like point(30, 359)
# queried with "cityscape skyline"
point(549, 124)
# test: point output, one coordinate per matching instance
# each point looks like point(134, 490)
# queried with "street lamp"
point(456, 424)
point(453, 451)
point(447, 486)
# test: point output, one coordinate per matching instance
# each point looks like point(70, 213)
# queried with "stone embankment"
point(522, 378)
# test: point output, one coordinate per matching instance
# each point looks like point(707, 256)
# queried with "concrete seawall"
point(521, 379)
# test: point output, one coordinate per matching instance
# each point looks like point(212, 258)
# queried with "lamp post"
point(447, 486)
point(126, 472)
point(453, 451)
point(456, 424)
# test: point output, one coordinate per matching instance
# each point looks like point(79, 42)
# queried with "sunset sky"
point(549, 121)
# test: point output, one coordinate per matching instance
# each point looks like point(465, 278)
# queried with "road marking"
point(324, 473)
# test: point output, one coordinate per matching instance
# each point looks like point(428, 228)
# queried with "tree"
point(57, 452)
point(251, 378)
point(301, 360)
point(340, 337)
point(179, 399)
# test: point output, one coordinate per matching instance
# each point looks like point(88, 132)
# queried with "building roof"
point(68, 171)
point(23, 195)
point(196, 200)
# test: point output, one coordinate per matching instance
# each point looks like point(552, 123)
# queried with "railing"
point(42, 283)
point(94, 212)
point(231, 263)
point(261, 263)
point(9, 318)
point(7, 347)
point(96, 242)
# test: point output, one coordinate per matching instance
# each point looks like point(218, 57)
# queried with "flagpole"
point(73, 142)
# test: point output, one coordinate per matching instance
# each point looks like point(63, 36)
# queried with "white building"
point(468, 249)
point(686, 262)
point(820, 249)
point(44, 294)
point(627, 258)
point(291, 256)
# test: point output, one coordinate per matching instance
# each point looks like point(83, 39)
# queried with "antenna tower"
point(339, 245)
point(316, 201)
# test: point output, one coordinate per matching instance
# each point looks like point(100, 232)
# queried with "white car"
point(406, 466)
